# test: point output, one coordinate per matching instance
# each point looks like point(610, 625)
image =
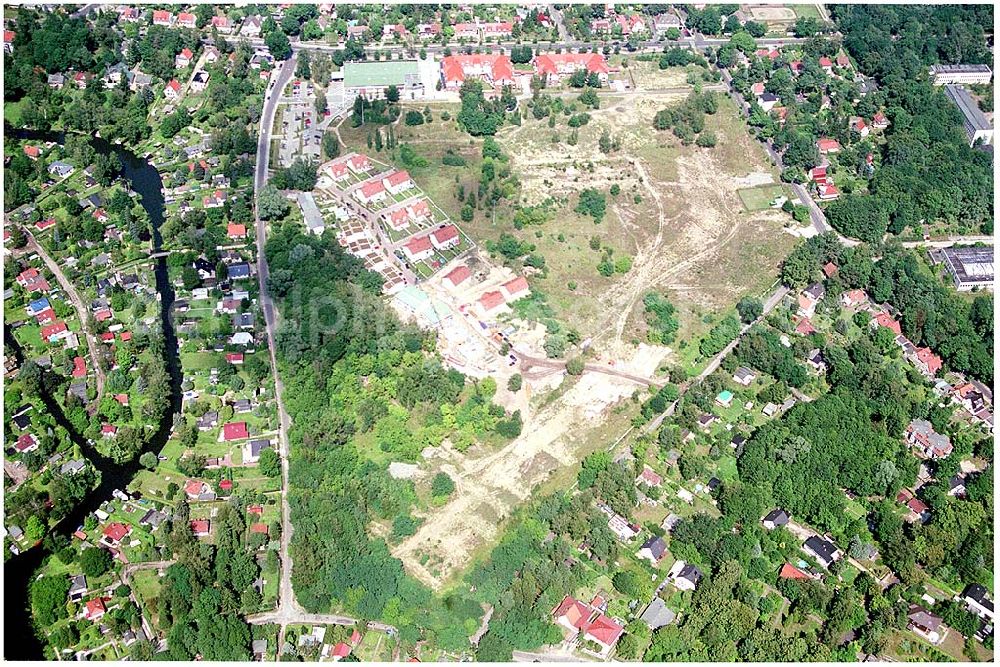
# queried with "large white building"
point(977, 125)
point(971, 74)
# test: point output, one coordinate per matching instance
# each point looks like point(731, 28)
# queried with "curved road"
point(78, 305)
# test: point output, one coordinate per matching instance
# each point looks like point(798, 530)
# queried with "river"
point(20, 570)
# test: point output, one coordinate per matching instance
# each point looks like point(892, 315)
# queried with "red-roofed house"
point(100, 215)
point(398, 218)
point(235, 431)
point(494, 70)
point(201, 527)
point(605, 631)
point(94, 610)
point(107, 337)
point(355, 638)
point(340, 651)
point(8, 40)
point(830, 269)
point(235, 358)
point(497, 29)
point(260, 528)
point(337, 169)
point(797, 67)
point(445, 237)
point(884, 319)
point(103, 315)
point(466, 30)
point(843, 60)
point(79, 368)
point(555, 66)
point(927, 362)
point(827, 192)
point(226, 485)
point(358, 163)
point(650, 477)
point(115, 532)
point(789, 571)
point(54, 332)
point(491, 302)
point(42, 225)
point(122, 399)
point(47, 316)
point(418, 248)
point(397, 181)
point(34, 152)
point(109, 430)
point(193, 488)
point(757, 89)
point(826, 64)
point(369, 192)
point(129, 14)
point(818, 175)
point(257, 510)
point(173, 90)
point(458, 275)
point(852, 298)
point(804, 327)
point(183, 59)
point(827, 145)
point(236, 231)
point(26, 443)
point(879, 121)
point(572, 614)
point(163, 18)
point(187, 20)
point(516, 288)
point(858, 124)
point(221, 23)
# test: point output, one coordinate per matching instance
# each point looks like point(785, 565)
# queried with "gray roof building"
point(977, 125)
point(657, 614)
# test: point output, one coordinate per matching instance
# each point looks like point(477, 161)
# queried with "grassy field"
point(806, 12)
point(760, 198)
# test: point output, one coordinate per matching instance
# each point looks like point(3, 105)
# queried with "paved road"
point(287, 606)
point(81, 309)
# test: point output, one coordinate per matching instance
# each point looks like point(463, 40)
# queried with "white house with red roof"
point(115, 532)
point(129, 14)
point(109, 430)
point(853, 298)
point(54, 332)
point(187, 20)
point(193, 488)
point(420, 210)
point(466, 30)
point(358, 163)
point(222, 24)
point(497, 28)
point(516, 288)
point(8, 40)
point(163, 18)
point(826, 64)
point(79, 367)
point(418, 248)
point(556, 66)
point(94, 610)
point(879, 121)
point(397, 218)
point(32, 152)
point(457, 276)
point(183, 59)
point(172, 91)
point(827, 192)
point(826, 145)
point(42, 225)
point(398, 181)
point(491, 302)
point(927, 362)
point(446, 237)
point(493, 69)
point(336, 169)
point(370, 191)
point(594, 625)
point(201, 527)
point(236, 230)
point(858, 124)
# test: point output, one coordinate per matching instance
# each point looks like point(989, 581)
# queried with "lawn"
point(760, 197)
point(854, 509)
point(727, 471)
point(806, 11)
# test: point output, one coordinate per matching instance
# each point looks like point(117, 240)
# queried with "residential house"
point(208, 421)
point(94, 610)
point(921, 435)
point(853, 298)
point(824, 551)
point(977, 598)
point(172, 91)
point(494, 70)
point(789, 571)
point(61, 169)
point(491, 302)
point(775, 518)
point(816, 360)
point(370, 192)
point(457, 276)
point(253, 448)
point(183, 59)
point(418, 248)
point(657, 614)
point(809, 298)
point(684, 576)
point(201, 527)
point(77, 587)
point(114, 533)
point(515, 289)
point(925, 624)
point(744, 376)
point(653, 549)
point(649, 477)
point(858, 124)
point(235, 431)
point(826, 146)
point(163, 18)
point(445, 237)
point(397, 182)
point(199, 81)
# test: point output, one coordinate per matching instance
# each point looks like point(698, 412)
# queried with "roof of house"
point(200, 526)
point(925, 619)
point(656, 546)
point(372, 188)
point(116, 531)
point(657, 614)
point(458, 275)
point(605, 630)
point(574, 611)
point(550, 63)
point(419, 244)
point(490, 300)
point(690, 572)
point(980, 594)
point(258, 528)
point(397, 178)
point(824, 549)
point(789, 571)
point(235, 431)
point(445, 234)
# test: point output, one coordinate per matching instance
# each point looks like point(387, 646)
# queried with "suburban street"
point(287, 607)
point(78, 305)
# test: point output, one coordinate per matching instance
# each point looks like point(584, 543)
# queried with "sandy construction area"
point(489, 487)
